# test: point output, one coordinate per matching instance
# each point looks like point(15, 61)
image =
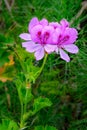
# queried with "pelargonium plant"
point(45, 38)
point(42, 39)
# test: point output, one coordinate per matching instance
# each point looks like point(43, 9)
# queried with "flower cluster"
point(44, 37)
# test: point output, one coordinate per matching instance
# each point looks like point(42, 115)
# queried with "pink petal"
point(39, 54)
point(54, 24)
point(49, 48)
point(34, 21)
point(55, 36)
point(71, 48)
point(44, 22)
point(57, 50)
point(64, 56)
point(25, 36)
point(72, 33)
point(64, 23)
point(47, 30)
point(35, 33)
point(31, 46)
point(26, 44)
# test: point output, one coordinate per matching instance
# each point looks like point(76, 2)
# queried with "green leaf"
point(27, 115)
point(5, 54)
point(45, 128)
point(40, 103)
point(50, 128)
point(5, 40)
point(39, 128)
point(8, 125)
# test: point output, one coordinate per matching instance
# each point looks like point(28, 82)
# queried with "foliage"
point(46, 128)
point(8, 125)
point(57, 99)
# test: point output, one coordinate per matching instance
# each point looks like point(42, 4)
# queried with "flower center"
point(42, 39)
point(45, 37)
point(66, 38)
point(62, 40)
point(39, 34)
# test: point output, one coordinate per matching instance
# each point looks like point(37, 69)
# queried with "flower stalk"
point(43, 64)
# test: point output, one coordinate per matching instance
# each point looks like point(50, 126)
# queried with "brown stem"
point(84, 7)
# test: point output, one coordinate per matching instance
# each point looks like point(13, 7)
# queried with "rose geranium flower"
point(64, 38)
point(39, 40)
point(44, 37)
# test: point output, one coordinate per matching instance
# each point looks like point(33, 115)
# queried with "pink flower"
point(51, 37)
point(64, 38)
point(40, 38)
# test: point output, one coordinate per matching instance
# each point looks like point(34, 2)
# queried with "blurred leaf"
point(26, 61)
point(40, 103)
point(39, 128)
point(50, 128)
point(5, 40)
point(45, 128)
point(4, 57)
point(7, 70)
point(8, 125)
point(4, 51)
point(11, 62)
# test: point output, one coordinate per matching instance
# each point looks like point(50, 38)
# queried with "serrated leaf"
point(8, 125)
point(39, 128)
point(40, 103)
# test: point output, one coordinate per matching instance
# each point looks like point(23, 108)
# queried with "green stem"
point(25, 105)
point(39, 72)
point(21, 112)
point(45, 58)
